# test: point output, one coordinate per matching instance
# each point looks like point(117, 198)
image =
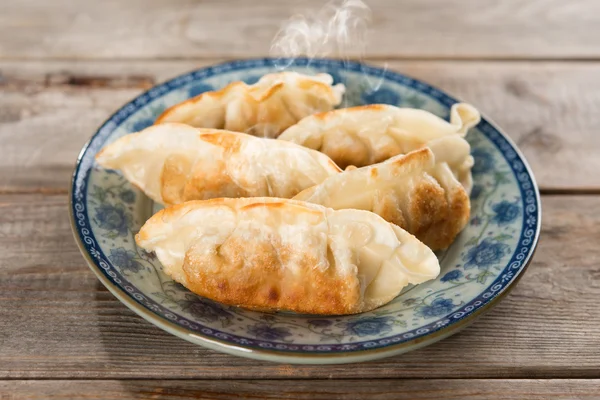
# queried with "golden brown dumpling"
point(366, 135)
point(277, 254)
point(411, 191)
point(264, 109)
point(173, 163)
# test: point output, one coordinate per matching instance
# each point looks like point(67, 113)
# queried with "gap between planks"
point(42, 191)
point(378, 58)
point(591, 377)
point(305, 389)
point(146, 81)
point(62, 192)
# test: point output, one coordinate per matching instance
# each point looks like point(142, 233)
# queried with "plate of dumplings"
point(333, 212)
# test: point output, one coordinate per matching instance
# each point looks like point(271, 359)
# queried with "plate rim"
point(292, 356)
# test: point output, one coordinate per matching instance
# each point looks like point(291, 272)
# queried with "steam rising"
point(340, 29)
point(335, 30)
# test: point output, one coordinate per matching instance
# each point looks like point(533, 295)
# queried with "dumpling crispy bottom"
point(300, 257)
point(250, 274)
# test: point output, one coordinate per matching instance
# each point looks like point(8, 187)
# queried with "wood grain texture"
point(48, 110)
point(66, 65)
point(57, 321)
point(499, 389)
point(186, 28)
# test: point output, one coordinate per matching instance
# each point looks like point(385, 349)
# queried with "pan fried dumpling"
point(264, 109)
point(411, 191)
point(173, 163)
point(370, 134)
point(277, 254)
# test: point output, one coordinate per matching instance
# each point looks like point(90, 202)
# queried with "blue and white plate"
point(483, 263)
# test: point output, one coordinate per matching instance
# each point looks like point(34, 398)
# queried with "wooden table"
point(533, 66)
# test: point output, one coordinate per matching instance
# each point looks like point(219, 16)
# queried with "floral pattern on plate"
point(485, 259)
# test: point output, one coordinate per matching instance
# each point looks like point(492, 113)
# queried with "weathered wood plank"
point(397, 389)
point(49, 109)
point(58, 321)
point(187, 28)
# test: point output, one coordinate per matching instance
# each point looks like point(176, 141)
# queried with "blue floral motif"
point(112, 218)
point(142, 124)
point(199, 89)
point(438, 307)
point(506, 212)
point(128, 196)
point(124, 259)
point(381, 96)
point(370, 326)
point(268, 332)
point(476, 192)
point(485, 254)
point(320, 323)
point(309, 334)
point(452, 276)
point(206, 311)
point(484, 161)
